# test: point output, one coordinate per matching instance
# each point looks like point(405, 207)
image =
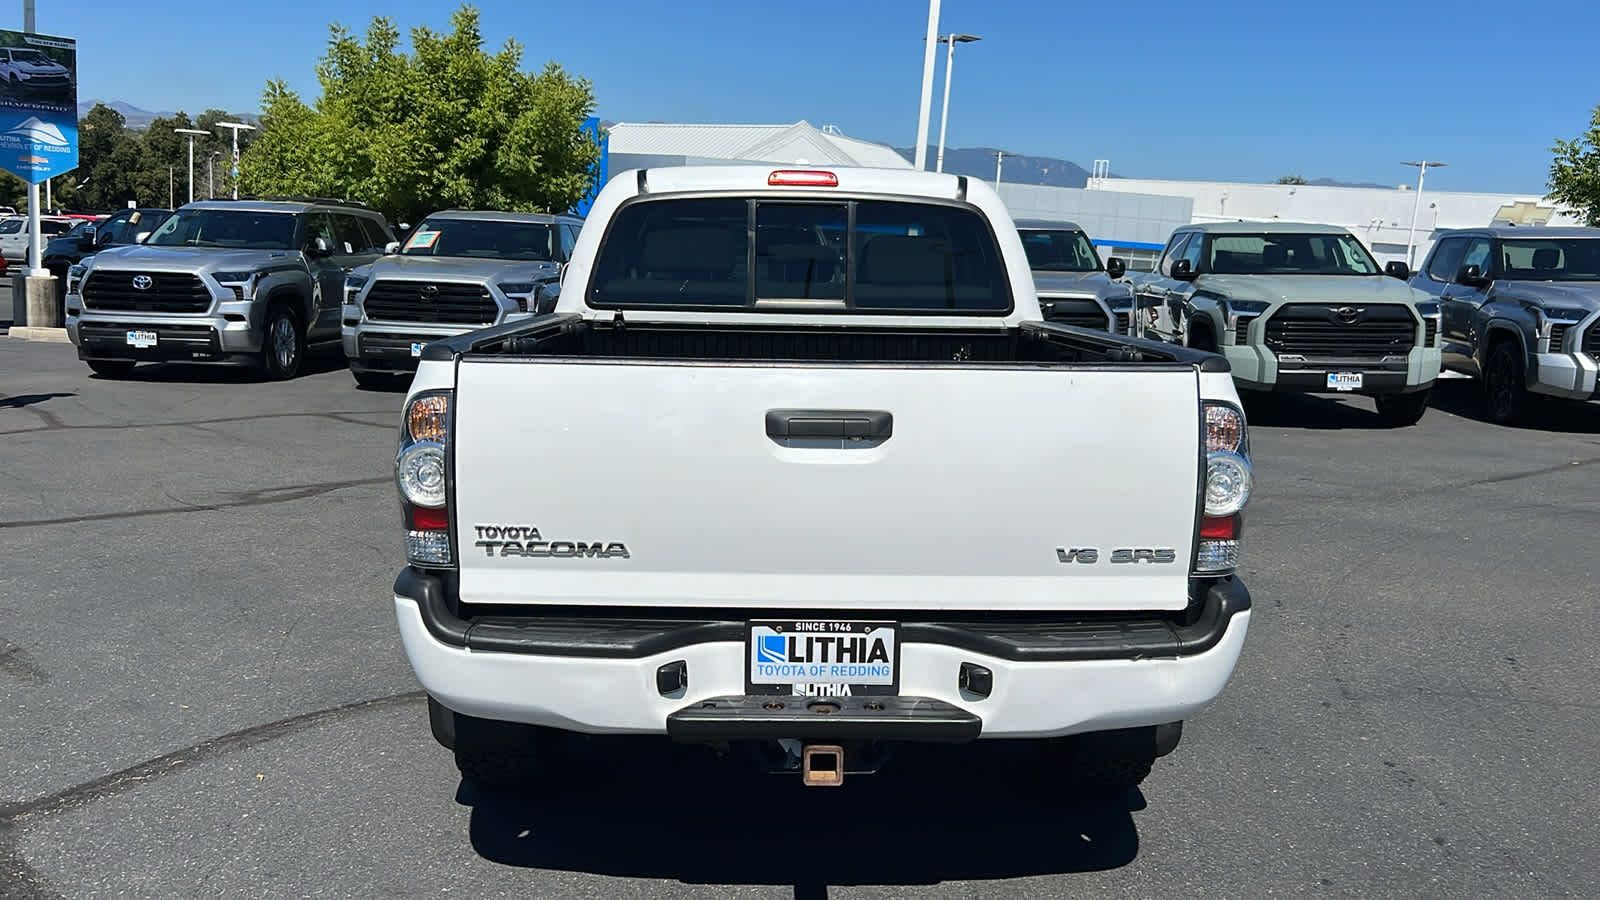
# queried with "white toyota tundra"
point(796, 466)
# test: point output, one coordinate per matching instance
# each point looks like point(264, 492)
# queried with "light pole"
point(998, 156)
point(927, 84)
point(35, 263)
point(949, 59)
point(236, 127)
point(211, 175)
point(1411, 242)
point(191, 132)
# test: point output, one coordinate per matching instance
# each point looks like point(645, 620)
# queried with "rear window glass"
point(852, 255)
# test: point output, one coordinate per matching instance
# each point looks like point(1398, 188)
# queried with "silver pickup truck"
point(1521, 312)
point(457, 271)
point(1296, 308)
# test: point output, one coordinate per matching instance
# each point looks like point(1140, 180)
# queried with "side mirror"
point(319, 247)
point(88, 238)
point(1116, 268)
point(141, 237)
point(1183, 270)
point(1397, 269)
point(1471, 276)
point(391, 247)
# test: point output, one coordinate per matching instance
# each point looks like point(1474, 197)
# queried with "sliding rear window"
point(847, 255)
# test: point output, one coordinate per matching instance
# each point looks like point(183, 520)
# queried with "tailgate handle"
point(825, 424)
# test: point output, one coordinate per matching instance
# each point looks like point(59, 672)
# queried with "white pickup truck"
point(795, 466)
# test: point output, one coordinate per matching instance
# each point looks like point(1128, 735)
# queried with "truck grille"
point(1241, 331)
point(1430, 332)
point(393, 300)
point(1591, 343)
point(1079, 312)
point(1341, 331)
point(1123, 321)
point(170, 292)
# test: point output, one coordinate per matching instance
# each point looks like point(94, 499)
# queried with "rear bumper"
point(598, 674)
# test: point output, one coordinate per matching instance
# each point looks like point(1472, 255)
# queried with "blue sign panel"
point(38, 105)
point(592, 128)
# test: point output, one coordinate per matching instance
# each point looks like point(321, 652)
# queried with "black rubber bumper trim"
point(823, 719)
point(628, 635)
point(1317, 382)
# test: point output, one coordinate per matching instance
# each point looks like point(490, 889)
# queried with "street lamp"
point(949, 59)
point(236, 127)
point(927, 84)
point(1411, 242)
point(191, 132)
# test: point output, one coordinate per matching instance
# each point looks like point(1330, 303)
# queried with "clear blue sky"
point(1241, 91)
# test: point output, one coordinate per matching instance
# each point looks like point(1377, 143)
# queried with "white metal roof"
point(752, 143)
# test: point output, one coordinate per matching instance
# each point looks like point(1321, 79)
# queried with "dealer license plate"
point(1344, 381)
point(823, 658)
point(416, 349)
point(142, 340)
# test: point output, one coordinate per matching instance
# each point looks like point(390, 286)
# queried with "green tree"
point(1291, 179)
point(446, 125)
point(109, 163)
point(1575, 172)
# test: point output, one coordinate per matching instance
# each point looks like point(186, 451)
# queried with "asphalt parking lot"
point(204, 693)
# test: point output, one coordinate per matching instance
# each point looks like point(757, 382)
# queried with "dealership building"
point(1126, 217)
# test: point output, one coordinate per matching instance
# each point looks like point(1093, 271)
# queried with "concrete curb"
point(43, 335)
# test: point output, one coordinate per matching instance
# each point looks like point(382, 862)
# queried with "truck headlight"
point(352, 287)
point(1234, 310)
point(243, 284)
point(518, 292)
point(75, 275)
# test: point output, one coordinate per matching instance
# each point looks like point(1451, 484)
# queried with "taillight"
point(1226, 489)
point(421, 473)
point(803, 178)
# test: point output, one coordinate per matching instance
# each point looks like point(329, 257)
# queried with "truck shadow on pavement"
point(1464, 398)
point(316, 362)
point(1311, 411)
point(642, 808)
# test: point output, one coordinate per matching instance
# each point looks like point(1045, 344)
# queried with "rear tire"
point(283, 342)
point(111, 368)
point(1506, 399)
point(1402, 410)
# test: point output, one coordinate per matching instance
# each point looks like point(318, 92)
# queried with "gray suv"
point(1520, 311)
point(458, 271)
point(242, 282)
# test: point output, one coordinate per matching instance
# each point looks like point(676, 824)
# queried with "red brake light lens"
point(425, 519)
point(1219, 528)
point(803, 178)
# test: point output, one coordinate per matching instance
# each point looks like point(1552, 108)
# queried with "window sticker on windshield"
point(422, 240)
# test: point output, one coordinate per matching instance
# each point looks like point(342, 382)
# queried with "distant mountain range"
point(139, 119)
point(978, 162)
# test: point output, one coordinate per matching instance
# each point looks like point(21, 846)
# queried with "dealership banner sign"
point(38, 105)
